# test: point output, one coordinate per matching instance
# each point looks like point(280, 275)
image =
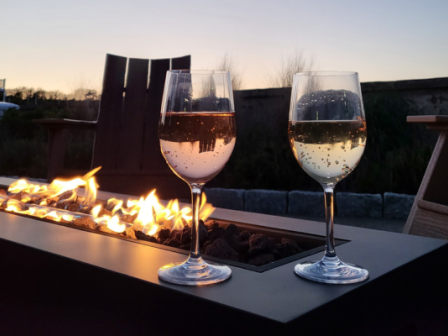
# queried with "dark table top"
point(277, 294)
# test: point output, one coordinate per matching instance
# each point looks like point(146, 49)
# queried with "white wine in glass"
point(197, 135)
point(327, 133)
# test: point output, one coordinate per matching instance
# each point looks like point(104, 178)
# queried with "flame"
point(96, 210)
point(23, 185)
point(114, 225)
point(206, 208)
point(115, 203)
point(148, 214)
point(91, 191)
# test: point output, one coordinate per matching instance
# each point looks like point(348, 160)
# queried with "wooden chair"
point(126, 140)
point(429, 213)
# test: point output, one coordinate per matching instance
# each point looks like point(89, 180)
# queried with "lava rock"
point(243, 247)
point(259, 243)
point(172, 243)
point(128, 218)
point(161, 240)
point(261, 259)
point(207, 244)
point(130, 233)
point(152, 239)
point(232, 229)
point(72, 207)
point(287, 248)
point(220, 249)
point(203, 233)
point(186, 236)
point(245, 235)
point(85, 222)
point(176, 235)
point(140, 235)
point(211, 224)
point(17, 196)
point(164, 234)
point(234, 241)
point(217, 233)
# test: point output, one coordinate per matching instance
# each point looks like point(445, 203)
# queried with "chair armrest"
point(58, 130)
point(66, 123)
point(433, 122)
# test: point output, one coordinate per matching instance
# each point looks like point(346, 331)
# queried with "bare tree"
point(228, 64)
point(297, 62)
point(81, 88)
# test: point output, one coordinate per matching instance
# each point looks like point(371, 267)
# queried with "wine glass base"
point(194, 272)
point(332, 271)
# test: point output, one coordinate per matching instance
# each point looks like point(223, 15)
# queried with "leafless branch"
point(228, 64)
point(297, 62)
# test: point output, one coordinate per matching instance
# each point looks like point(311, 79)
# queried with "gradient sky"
point(60, 45)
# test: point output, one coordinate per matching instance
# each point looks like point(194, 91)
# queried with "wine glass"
point(327, 133)
point(197, 135)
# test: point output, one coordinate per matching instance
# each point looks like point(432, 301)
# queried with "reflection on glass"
point(327, 133)
point(197, 136)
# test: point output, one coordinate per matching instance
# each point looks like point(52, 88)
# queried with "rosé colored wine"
point(197, 145)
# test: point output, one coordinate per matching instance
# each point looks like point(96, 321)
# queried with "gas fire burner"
point(60, 280)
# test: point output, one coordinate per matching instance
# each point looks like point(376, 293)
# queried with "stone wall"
point(298, 203)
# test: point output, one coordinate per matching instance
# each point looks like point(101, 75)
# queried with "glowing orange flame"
point(114, 225)
point(146, 214)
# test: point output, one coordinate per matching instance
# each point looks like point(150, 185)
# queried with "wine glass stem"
point(196, 195)
point(329, 212)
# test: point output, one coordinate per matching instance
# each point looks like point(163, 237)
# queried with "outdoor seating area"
point(224, 169)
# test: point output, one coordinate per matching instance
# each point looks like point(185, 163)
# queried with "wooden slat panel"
point(427, 119)
point(57, 144)
point(66, 123)
point(430, 224)
point(432, 189)
point(437, 188)
point(108, 127)
point(152, 157)
point(133, 117)
point(180, 63)
point(434, 207)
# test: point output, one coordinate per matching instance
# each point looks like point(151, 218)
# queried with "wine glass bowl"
point(197, 135)
point(327, 133)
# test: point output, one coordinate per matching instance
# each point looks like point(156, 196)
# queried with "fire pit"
point(60, 280)
point(147, 221)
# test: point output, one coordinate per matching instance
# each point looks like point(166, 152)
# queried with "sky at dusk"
point(61, 45)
